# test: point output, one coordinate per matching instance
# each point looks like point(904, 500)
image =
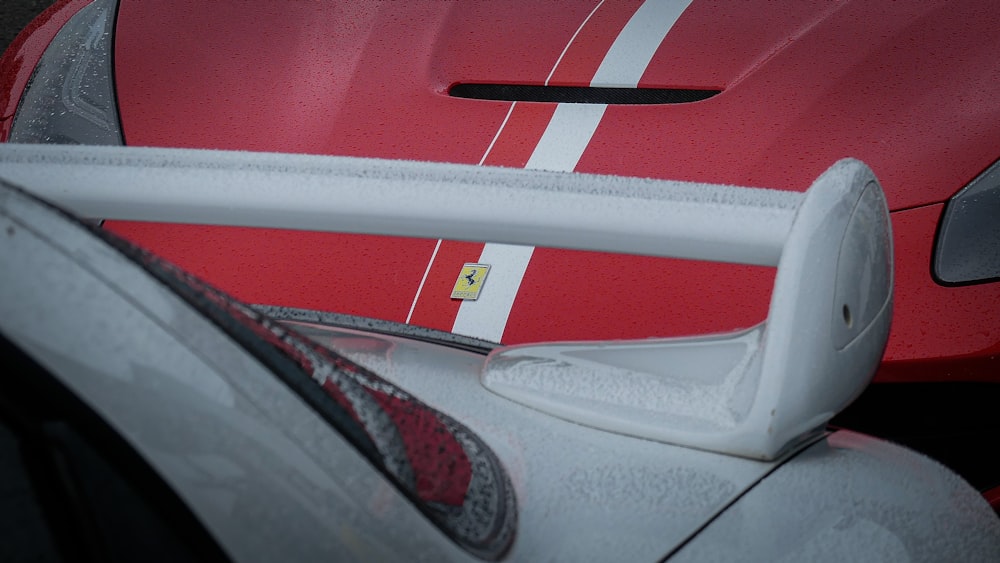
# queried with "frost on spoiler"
point(753, 393)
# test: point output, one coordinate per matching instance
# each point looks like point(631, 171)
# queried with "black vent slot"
point(579, 94)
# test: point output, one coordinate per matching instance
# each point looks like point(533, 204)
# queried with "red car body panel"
point(909, 89)
point(915, 99)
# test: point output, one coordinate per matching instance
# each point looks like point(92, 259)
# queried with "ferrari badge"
point(470, 281)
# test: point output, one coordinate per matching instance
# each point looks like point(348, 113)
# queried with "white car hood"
point(582, 494)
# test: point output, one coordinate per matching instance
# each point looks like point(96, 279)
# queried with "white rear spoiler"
point(752, 393)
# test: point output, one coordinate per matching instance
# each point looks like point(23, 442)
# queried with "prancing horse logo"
point(470, 281)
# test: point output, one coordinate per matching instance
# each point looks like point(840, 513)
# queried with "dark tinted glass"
point(24, 534)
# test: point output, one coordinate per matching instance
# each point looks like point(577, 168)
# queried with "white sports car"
point(146, 415)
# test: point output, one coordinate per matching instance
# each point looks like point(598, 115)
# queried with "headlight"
point(968, 241)
point(70, 98)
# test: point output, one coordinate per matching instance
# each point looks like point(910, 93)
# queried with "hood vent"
point(579, 94)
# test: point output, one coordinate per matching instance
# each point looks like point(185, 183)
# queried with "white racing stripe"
point(566, 137)
point(560, 148)
point(635, 46)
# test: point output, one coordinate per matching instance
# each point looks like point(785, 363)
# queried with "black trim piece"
point(579, 94)
point(379, 326)
point(955, 423)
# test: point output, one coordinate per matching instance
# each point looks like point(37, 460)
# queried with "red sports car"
point(748, 93)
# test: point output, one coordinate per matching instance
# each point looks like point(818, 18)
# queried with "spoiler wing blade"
point(751, 393)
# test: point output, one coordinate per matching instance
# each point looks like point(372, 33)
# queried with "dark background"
point(15, 14)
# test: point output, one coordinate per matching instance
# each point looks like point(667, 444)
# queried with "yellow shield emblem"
point(470, 281)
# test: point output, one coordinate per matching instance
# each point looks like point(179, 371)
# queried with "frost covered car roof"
point(235, 415)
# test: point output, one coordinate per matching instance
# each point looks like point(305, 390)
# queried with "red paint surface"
point(587, 295)
point(350, 274)
point(911, 90)
point(585, 53)
point(23, 54)
point(917, 102)
point(524, 128)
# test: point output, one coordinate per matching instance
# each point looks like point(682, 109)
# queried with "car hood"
point(910, 89)
point(582, 494)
